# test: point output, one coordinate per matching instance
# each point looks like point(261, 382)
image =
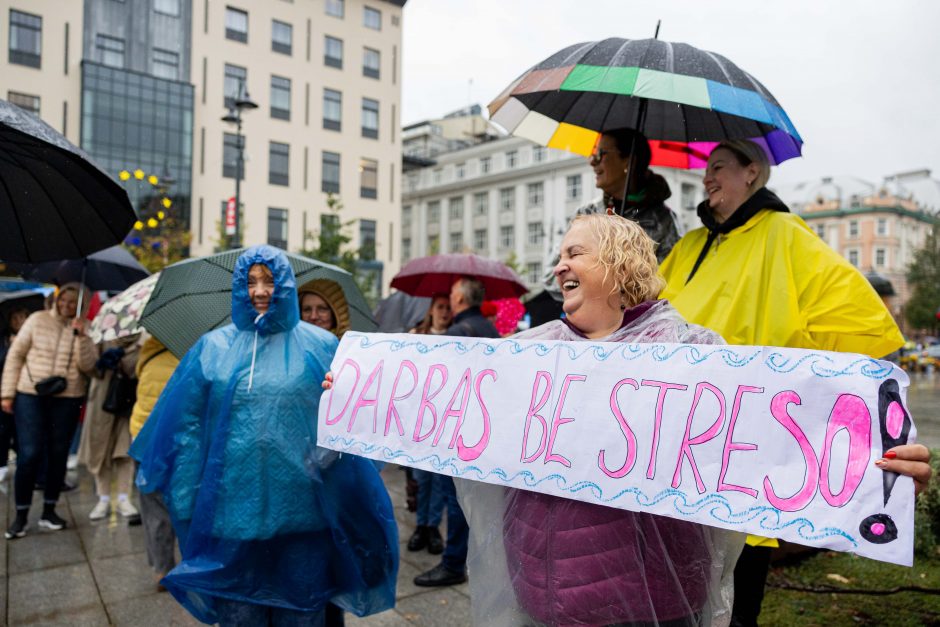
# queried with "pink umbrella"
point(428, 276)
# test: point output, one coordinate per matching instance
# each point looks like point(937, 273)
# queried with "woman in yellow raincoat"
point(758, 275)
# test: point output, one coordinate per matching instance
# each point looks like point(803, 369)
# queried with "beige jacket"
point(41, 349)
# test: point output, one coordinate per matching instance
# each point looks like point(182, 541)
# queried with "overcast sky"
point(859, 79)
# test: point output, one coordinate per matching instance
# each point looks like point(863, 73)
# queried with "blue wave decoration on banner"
point(771, 519)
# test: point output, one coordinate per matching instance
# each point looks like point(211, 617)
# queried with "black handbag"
point(121, 394)
point(56, 384)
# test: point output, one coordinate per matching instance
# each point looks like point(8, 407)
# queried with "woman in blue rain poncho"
point(271, 528)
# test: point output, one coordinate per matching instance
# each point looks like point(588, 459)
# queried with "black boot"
point(18, 528)
point(419, 539)
point(435, 541)
point(50, 520)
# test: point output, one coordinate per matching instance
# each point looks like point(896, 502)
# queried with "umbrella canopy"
point(194, 297)
point(684, 99)
point(56, 203)
point(428, 276)
point(543, 307)
point(113, 269)
point(881, 284)
point(11, 301)
point(401, 312)
point(120, 315)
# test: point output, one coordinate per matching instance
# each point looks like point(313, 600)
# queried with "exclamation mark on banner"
point(895, 425)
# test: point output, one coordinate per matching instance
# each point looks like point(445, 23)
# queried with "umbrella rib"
point(173, 299)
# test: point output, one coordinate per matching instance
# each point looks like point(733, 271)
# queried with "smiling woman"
point(260, 287)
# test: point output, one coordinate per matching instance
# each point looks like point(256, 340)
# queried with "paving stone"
point(112, 537)
point(43, 549)
point(63, 595)
point(147, 611)
point(388, 618)
point(440, 606)
point(123, 577)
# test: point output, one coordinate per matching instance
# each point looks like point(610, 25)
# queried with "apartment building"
point(144, 85)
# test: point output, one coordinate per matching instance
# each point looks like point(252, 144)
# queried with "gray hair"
point(747, 152)
point(472, 290)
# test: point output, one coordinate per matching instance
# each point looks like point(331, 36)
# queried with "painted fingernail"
point(890, 455)
point(881, 462)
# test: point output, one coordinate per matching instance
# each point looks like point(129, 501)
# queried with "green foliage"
point(923, 275)
point(512, 262)
point(222, 241)
point(927, 513)
point(156, 247)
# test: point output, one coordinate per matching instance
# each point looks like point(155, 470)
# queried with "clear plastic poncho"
point(536, 559)
point(262, 515)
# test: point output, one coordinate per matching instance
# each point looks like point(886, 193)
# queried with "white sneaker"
point(72, 462)
point(126, 509)
point(100, 510)
point(3, 474)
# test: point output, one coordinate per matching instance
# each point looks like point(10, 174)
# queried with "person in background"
point(106, 436)
point(323, 304)
point(429, 497)
point(466, 297)
point(155, 366)
point(7, 427)
point(758, 275)
point(51, 343)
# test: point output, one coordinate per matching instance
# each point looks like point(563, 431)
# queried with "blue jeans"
point(7, 437)
point(242, 614)
point(458, 532)
point(430, 498)
point(44, 429)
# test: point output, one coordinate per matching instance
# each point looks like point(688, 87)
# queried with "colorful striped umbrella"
point(685, 100)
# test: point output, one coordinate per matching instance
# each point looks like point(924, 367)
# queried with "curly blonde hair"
point(627, 253)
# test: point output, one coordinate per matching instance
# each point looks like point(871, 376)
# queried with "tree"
point(159, 238)
point(512, 262)
point(923, 275)
point(331, 245)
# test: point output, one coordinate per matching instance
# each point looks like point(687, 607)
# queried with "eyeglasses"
point(598, 155)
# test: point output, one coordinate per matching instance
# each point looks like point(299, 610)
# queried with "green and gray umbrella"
point(194, 297)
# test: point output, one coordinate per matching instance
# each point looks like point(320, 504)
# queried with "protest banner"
point(772, 441)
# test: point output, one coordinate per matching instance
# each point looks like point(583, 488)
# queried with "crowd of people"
point(274, 530)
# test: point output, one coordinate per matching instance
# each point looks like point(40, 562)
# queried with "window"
point(230, 156)
point(367, 240)
point(372, 18)
point(480, 240)
point(368, 178)
point(371, 62)
point(277, 228)
point(481, 204)
point(336, 8)
point(485, 164)
point(821, 230)
point(332, 110)
point(507, 199)
point(110, 50)
point(166, 64)
point(330, 173)
point(535, 194)
point(280, 98)
point(881, 257)
point(456, 242)
point(25, 39)
point(533, 271)
point(406, 212)
point(282, 37)
point(536, 234)
point(853, 228)
point(853, 257)
point(234, 87)
point(573, 187)
point(24, 101)
point(511, 158)
point(333, 52)
point(538, 154)
point(236, 24)
point(455, 206)
point(688, 196)
point(405, 248)
point(370, 118)
point(507, 237)
point(882, 228)
point(167, 7)
point(434, 212)
point(278, 163)
point(436, 176)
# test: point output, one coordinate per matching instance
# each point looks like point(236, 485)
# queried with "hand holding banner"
point(772, 441)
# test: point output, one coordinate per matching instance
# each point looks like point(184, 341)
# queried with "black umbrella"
point(21, 299)
point(542, 308)
point(401, 312)
point(881, 284)
point(54, 202)
point(113, 269)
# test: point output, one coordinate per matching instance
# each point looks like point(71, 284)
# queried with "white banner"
point(770, 441)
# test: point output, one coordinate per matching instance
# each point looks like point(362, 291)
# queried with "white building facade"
point(511, 199)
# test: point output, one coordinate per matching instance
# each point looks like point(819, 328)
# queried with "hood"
point(760, 200)
point(284, 312)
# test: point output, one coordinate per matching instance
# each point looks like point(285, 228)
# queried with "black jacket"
point(471, 323)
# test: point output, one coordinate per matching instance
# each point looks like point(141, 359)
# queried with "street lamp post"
point(234, 116)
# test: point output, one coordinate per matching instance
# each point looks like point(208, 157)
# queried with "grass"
point(826, 573)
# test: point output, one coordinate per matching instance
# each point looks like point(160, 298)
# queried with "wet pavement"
point(96, 573)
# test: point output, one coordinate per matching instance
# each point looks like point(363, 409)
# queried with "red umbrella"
point(428, 276)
